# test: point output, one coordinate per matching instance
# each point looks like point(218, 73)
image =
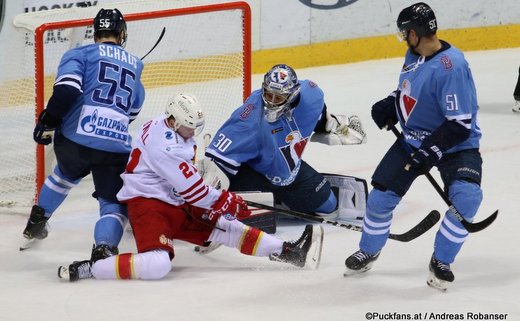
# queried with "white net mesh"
point(201, 53)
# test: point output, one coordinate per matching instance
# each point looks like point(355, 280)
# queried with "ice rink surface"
point(226, 285)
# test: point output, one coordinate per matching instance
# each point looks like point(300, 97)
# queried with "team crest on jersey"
point(293, 151)
point(406, 102)
point(446, 62)
point(166, 241)
point(246, 111)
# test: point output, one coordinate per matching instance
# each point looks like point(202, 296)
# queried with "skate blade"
point(348, 272)
point(63, 272)
point(28, 243)
point(437, 283)
point(206, 249)
point(314, 255)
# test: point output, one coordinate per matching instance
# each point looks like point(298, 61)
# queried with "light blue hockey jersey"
point(112, 95)
point(272, 149)
point(434, 90)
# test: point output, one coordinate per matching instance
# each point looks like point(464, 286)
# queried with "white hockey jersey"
point(161, 167)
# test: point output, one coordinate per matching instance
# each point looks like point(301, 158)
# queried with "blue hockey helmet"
point(279, 90)
point(111, 21)
point(419, 17)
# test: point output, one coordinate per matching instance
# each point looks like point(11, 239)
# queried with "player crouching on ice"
point(167, 199)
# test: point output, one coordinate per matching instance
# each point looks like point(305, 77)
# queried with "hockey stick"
point(470, 227)
point(428, 222)
point(156, 43)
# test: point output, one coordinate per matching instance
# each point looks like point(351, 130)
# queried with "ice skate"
point(102, 251)
point(440, 275)
point(306, 251)
point(359, 262)
point(76, 271)
point(36, 228)
point(516, 106)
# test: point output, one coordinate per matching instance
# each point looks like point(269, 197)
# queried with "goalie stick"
point(469, 226)
point(428, 222)
point(156, 43)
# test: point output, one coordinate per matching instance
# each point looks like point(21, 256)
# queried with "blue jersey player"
point(260, 146)
point(436, 107)
point(97, 93)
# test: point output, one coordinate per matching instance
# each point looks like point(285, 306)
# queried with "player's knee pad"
point(152, 265)
point(466, 197)
point(380, 204)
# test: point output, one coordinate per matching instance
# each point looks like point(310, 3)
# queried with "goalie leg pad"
point(352, 193)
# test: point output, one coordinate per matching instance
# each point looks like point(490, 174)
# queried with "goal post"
point(206, 51)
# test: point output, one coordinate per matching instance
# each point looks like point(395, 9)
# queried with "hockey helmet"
point(111, 20)
point(419, 17)
point(186, 111)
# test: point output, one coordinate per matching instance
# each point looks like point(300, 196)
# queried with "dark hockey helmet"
point(279, 90)
point(419, 17)
point(111, 20)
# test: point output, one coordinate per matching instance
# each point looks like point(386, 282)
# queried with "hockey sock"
point(54, 191)
point(329, 206)
point(152, 265)
point(248, 240)
point(377, 221)
point(466, 197)
point(110, 226)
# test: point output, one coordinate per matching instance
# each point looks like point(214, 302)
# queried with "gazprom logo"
point(88, 123)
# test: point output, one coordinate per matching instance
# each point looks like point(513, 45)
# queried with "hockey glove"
point(231, 206)
point(44, 128)
point(384, 111)
point(427, 156)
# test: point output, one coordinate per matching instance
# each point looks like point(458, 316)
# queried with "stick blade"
point(479, 226)
point(422, 227)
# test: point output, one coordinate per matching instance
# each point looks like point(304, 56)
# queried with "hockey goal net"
point(205, 51)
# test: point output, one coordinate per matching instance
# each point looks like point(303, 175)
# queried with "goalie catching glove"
point(341, 131)
point(231, 206)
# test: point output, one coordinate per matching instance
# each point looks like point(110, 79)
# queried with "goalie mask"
point(279, 90)
point(111, 21)
point(187, 113)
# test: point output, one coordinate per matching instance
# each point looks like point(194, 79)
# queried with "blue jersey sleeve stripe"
point(70, 80)
point(215, 155)
point(464, 120)
point(224, 165)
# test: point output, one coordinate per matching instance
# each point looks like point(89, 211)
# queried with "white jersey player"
point(167, 199)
